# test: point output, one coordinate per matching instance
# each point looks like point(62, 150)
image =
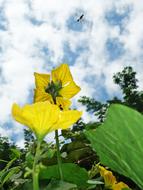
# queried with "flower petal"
point(63, 103)
point(47, 115)
point(41, 80)
point(24, 115)
point(109, 178)
point(40, 96)
point(120, 186)
point(68, 118)
point(69, 90)
point(18, 115)
point(62, 73)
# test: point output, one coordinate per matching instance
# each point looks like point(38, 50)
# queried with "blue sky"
point(37, 35)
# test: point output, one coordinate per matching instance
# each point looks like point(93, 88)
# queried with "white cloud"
point(23, 41)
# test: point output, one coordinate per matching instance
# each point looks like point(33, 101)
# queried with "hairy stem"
point(58, 155)
point(35, 169)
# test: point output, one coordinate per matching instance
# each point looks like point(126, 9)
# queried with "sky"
point(38, 35)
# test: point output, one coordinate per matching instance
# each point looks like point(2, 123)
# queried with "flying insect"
point(80, 18)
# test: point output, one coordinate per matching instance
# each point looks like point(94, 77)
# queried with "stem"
point(35, 169)
point(58, 150)
point(58, 154)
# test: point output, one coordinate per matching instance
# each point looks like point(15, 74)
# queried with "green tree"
point(132, 97)
point(127, 81)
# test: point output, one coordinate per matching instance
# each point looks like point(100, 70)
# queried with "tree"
point(126, 79)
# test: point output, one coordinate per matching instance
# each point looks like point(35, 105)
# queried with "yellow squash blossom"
point(110, 180)
point(120, 186)
point(57, 88)
point(44, 117)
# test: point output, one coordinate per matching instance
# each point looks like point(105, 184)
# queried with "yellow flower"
point(58, 87)
point(120, 186)
point(44, 117)
point(110, 180)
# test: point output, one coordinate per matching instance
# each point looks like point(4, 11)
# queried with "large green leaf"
point(119, 142)
point(71, 173)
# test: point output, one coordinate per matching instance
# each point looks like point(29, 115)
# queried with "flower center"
point(54, 88)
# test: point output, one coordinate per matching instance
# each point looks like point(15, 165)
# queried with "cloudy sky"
point(37, 35)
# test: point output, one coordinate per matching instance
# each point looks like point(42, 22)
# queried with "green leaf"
point(48, 154)
point(8, 175)
point(77, 151)
point(95, 182)
point(60, 185)
point(9, 164)
point(5, 171)
point(29, 159)
point(72, 173)
point(16, 152)
point(119, 142)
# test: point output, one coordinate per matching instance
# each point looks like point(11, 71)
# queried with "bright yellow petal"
point(68, 118)
point(47, 115)
point(62, 73)
point(41, 80)
point(120, 186)
point(102, 170)
point(109, 178)
point(69, 90)
point(40, 96)
point(39, 117)
point(18, 115)
point(24, 115)
point(64, 104)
